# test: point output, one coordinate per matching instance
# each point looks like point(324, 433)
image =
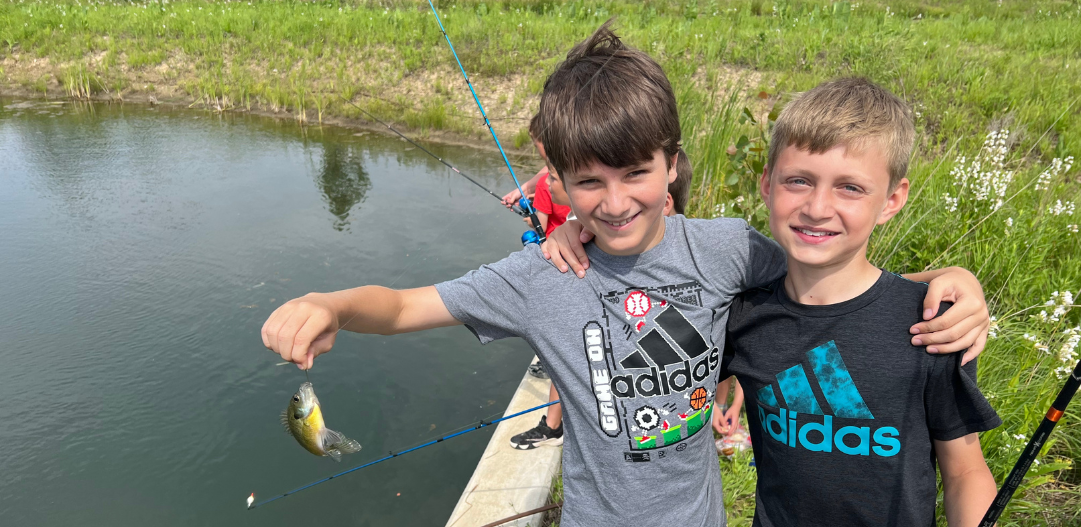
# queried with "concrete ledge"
point(508, 481)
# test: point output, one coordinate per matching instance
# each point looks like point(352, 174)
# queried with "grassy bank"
point(999, 204)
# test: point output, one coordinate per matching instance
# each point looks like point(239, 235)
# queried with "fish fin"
point(337, 441)
point(333, 453)
point(285, 421)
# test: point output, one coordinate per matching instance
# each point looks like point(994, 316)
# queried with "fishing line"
point(392, 455)
point(1039, 438)
point(526, 206)
point(425, 150)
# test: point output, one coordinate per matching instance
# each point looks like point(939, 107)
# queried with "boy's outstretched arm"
point(305, 327)
point(965, 325)
point(967, 484)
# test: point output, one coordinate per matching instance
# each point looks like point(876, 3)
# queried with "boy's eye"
point(852, 188)
point(798, 181)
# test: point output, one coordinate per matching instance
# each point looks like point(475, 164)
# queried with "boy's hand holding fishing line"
point(306, 327)
point(963, 327)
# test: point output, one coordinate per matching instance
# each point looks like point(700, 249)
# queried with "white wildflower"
point(992, 330)
point(1058, 167)
point(1061, 303)
point(739, 200)
point(951, 202)
point(1071, 229)
point(1067, 354)
point(1019, 437)
point(986, 176)
point(1060, 208)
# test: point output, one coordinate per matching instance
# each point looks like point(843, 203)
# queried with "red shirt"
point(542, 201)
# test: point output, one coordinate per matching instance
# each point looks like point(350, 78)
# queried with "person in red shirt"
point(551, 202)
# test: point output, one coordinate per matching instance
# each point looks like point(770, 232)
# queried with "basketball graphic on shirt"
point(637, 304)
point(698, 398)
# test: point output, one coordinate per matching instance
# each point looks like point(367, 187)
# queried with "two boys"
point(634, 348)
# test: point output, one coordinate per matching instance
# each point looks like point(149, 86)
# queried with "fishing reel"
point(525, 209)
point(529, 237)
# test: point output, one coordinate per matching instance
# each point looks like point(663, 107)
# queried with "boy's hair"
point(853, 112)
point(680, 189)
point(609, 103)
point(534, 127)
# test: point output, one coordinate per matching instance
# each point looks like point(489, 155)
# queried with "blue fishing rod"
point(392, 455)
point(524, 203)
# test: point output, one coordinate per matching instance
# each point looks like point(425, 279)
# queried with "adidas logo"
point(655, 353)
point(843, 400)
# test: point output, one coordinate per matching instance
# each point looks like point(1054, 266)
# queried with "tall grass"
point(1002, 205)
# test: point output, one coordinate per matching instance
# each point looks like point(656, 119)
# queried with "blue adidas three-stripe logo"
point(843, 399)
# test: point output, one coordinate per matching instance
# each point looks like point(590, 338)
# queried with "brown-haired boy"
point(549, 431)
point(633, 349)
point(847, 417)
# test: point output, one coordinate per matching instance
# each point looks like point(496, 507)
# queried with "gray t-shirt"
point(633, 349)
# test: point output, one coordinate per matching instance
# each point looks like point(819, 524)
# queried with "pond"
point(141, 249)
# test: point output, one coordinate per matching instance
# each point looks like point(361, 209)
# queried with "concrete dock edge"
point(508, 481)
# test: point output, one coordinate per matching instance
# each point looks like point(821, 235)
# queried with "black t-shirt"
point(843, 409)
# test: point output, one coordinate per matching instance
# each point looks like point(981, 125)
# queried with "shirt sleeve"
point(491, 301)
point(766, 261)
point(954, 404)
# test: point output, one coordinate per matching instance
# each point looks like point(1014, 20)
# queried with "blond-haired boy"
point(847, 417)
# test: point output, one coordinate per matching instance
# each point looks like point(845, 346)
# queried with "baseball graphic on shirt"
point(637, 304)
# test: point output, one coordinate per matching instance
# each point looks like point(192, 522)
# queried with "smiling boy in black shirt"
point(847, 417)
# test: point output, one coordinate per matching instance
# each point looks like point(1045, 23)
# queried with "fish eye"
point(296, 398)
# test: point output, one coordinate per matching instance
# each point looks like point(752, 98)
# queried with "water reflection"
point(342, 180)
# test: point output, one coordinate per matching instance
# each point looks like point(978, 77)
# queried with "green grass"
point(968, 67)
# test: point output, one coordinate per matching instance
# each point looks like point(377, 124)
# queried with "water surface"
point(141, 249)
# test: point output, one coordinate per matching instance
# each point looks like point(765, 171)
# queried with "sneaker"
point(537, 370)
point(540, 435)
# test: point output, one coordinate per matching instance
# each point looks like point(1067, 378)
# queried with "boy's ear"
point(763, 185)
point(895, 201)
point(672, 174)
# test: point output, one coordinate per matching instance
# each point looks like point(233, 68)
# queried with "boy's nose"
point(615, 202)
point(819, 204)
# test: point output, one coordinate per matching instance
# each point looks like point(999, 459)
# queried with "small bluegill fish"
point(303, 419)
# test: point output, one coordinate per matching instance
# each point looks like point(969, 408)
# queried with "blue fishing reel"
point(523, 208)
point(529, 237)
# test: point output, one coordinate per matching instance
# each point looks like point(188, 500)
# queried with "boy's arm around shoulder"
point(306, 327)
point(965, 326)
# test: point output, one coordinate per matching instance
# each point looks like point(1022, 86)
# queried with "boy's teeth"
point(621, 223)
point(813, 233)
